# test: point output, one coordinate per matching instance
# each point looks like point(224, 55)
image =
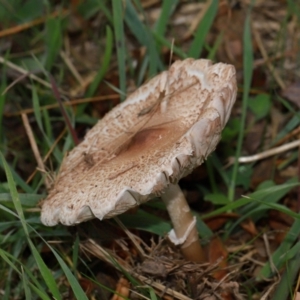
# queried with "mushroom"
point(143, 147)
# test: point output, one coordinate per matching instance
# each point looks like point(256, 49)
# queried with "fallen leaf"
point(122, 289)
point(250, 227)
point(216, 222)
point(218, 253)
point(292, 92)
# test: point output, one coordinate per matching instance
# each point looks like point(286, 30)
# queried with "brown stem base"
point(185, 232)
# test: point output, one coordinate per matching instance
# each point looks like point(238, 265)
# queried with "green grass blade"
point(269, 194)
point(203, 229)
point(75, 253)
point(136, 26)
point(53, 40)
point(213, 51)
point(203, 29)
point(25, 282)
point(2, 101)
point(261, 201)
point(215, 161)
point(167, 9)
point(120, 43)
point(154, 224)
point(105, 63)
point(144, 36)
point(77, 289)
point(47, 124)
point(5, 257)
point(248, 70)
point(45, 272)
point(26, 199)
point(284, 290)
point(176, 50)
point(12, 261)
point(36, 108)
point(231, 206)
point(17, 178)
point(13, 192)
point(278, 256)
point(42, 295)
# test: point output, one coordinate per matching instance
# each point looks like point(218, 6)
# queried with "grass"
point(124, 46)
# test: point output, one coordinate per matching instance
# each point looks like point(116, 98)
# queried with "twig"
point(131, 237)
point(266, 58)
point(24, 72)
point(22, 27)
point(96, 250)
point(63, 111)
point(69, 103)
point(268, 251)
point(48, 153)
point(270, 152)
point(71, 67)
point(34, 147)
point(197, 20)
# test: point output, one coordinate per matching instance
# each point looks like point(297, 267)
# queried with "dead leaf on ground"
point(122, 290)
point(250, 227)
point(292, 93)
point(216, 222)
point(217, 252)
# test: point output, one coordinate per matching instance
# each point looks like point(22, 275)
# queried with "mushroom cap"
point(158, 135)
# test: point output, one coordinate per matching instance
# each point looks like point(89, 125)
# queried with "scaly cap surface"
point(161, 132)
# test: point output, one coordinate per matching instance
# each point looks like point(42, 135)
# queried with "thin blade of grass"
point(75, 253)
point(105, 63)
point(154, 224)
point(26, 199)
point(167, 10)
point(63, 111)
point(43, 296)
point(38, 117)
point(45, 272)
point(5, 258)
point(248, 70)
point(229, 207)
point(53, 40)
point(142, 71)
point(213, 51)
point(269, 194)
point(120, 43)
point(278, 256)
point(77, 289)
point(144, 36)
point(17, 178)
point(136, 26)
point(266, 199)
point(12, 261)
point(36, 108)
point(214, 159)
point(176, 50)
point(204, 231)
point(284, 290)
point(203, 29)
point(2, 99)
point(292, 124)
point(47, 124)
point(28, 295)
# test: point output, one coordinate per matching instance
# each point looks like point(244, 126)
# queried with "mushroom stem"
point(184, 224)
